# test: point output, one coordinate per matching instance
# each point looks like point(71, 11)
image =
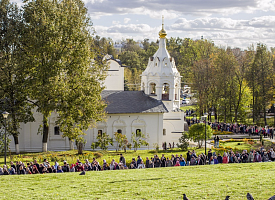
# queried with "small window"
point(99, 133)
point(165, 64)
point(164, 131)
point(56, 130)
point(138, 132)
point(156, 64)
point(119, 131)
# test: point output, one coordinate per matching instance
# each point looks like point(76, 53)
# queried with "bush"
point(183, 142)
point(215, 132)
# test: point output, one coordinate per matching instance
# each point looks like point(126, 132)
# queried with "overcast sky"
point(234, 23)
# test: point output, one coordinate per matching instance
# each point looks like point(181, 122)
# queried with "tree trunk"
point(216, 115)
point(80, 146)
point(45, 134)
point(16, 142)
point(239, 100)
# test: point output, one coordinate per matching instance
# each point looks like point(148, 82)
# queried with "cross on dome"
point(162, 32)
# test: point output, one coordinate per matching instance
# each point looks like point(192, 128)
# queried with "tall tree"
point(59, 58)
point(263, 61)
point(225, 64)
point(13, 87)
point(242, 100)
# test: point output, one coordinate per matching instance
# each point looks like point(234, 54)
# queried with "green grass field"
point(198, 182)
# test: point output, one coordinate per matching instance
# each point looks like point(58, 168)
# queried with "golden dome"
point(162, 32)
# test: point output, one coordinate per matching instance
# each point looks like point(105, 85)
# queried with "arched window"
point(152, 88)
point(138, 132)
point(165, 91)
point(119, 131)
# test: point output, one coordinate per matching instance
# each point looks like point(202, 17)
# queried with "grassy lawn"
point(239, 145)
point(198, 182)
point(188, 107)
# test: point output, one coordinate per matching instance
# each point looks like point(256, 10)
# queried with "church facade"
point(155, 110)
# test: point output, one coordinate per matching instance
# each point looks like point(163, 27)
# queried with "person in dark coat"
point(163, 161)
point(157, 162)
point(219, 158)
point(147, 162)
point(65, 167)
point(21, 170)
point(188, 158)
point(209, 155)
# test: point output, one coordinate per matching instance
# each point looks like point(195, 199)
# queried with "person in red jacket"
point(225, 158)
point(177, 163)
point(79, 167)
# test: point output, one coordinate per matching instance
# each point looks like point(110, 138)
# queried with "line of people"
point(237, 128)
point(137, 163)
point(261, 155)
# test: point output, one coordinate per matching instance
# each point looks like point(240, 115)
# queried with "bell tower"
point(161, 79)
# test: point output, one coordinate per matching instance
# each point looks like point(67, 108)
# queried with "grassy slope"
point(198, 182)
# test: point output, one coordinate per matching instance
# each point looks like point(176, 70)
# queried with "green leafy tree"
point(126, 144)
point(104, 45)
point(14, 89)
point(139, 139)
point(103, 140)
point(45, 49)
point(263, 63)
point(197, 133)
point(64, 71)
point(243, 97)
point(119, 138)
point(227, 88)
point(2, 138)
point(183, 141)
point(122, 142)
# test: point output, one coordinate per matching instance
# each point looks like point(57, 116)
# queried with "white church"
point(155, 110)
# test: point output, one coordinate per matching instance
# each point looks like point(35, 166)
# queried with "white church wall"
point(115, 76)
point(173, 122)
point(148, 123)
point(30, 140)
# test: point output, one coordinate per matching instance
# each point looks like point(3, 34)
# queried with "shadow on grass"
point(148, 179)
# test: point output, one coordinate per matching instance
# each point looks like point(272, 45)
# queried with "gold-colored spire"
point(162, 32)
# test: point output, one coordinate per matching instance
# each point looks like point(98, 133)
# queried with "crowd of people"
point(237, 128)
point(261, 155)
point(137, 163)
